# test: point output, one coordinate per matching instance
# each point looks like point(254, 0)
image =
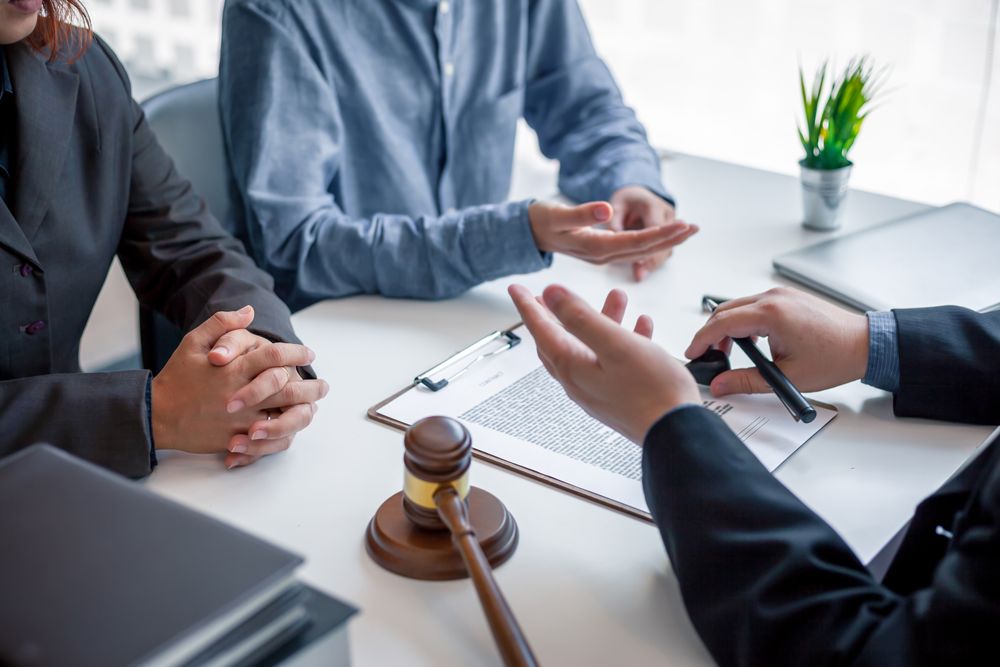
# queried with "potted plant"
point(834, 115)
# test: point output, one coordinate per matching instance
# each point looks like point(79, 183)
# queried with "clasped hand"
point(226, 389)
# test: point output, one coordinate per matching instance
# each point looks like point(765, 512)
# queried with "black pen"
point(787, 393)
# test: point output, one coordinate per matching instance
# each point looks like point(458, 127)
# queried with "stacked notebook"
point(96, 570)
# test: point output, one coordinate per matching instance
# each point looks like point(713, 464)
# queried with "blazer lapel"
point(13, 237)
point(46, 107)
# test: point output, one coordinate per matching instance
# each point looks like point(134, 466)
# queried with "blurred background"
point(710, 77)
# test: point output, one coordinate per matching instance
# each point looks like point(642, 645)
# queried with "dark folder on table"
point(96, 570)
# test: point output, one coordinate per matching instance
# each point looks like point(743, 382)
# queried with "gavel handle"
point(509, 637)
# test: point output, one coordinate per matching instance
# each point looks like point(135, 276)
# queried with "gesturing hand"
point(190, 395)
point(571, 231)
point(637, 207)
point(618, 376)
point(816, 344)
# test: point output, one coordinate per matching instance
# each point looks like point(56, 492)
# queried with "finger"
point(615, 305)
point(737, 303)
point(647, 252)
point(739, 381)
point(294, 393)
point(276, 354)
point(605, 246)
point(585, 215)
point(203, 336)
point(290, 422)
point(741, 322)
point(598, 333)
point(241, 444)
point(232, 345)
point(639, 271)
point(644, 326)
point(238, 460)
point(551, 340)
point(642, 268)
point(619, 209)
point(726, 345)
point(607, 242)
point(264, 386)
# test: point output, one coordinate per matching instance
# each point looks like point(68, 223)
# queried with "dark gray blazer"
point(767, 582)
point(90, 182)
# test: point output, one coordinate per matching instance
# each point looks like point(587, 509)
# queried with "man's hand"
point(190, 395)
point(618, 376)
point(282, 393)
point(638, 208)
point(571, 231)
point(816, 344)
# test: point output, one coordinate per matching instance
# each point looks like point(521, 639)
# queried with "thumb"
point(739, 381)
point(617, 223)
point(208, 332)
point(584, 215)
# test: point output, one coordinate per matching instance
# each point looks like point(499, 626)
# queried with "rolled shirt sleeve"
point(575, 106)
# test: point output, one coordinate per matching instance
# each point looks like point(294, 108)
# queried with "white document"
point(516, 411)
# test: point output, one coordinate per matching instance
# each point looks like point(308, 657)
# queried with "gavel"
point(440, 528)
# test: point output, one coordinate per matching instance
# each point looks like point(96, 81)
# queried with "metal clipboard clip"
point(496, 343)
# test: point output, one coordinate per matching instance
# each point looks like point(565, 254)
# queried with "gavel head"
point(438, 454)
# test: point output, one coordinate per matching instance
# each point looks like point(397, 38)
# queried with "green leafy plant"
point(835, 113)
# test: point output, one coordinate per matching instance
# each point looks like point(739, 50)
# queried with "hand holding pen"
point(814, 344)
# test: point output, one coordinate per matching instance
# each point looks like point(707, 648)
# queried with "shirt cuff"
point(499, 237)
point(883, 351)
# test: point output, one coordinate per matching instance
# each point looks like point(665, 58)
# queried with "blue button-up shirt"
point(371, 143)
point(6, 124)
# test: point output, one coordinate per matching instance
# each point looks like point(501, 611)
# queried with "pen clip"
point(508, 339)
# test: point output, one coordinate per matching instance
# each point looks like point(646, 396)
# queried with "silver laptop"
point(945, 256)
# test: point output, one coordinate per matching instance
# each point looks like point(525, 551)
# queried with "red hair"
point(63, 28)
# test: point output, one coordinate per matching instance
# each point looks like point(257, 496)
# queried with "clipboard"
point(772, 444)
point(439, 376)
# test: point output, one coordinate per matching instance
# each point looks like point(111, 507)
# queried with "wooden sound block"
point(395, 543)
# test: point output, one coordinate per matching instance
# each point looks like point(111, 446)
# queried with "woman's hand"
point(225, 389)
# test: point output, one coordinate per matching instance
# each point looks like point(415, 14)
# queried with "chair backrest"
point(186, 122)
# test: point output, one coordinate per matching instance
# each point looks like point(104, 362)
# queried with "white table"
point(590, 586)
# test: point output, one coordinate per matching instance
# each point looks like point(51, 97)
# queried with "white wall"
point(719, 78)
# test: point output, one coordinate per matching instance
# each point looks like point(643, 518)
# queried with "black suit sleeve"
point(100, 417)
point(178, 258)
point(767, 582)
point(949, 364)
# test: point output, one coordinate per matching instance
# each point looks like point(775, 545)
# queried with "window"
point(180, 8)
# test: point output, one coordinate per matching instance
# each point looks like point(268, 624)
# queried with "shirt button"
point(25, 270)
point(449, 69)
point(33, 328)
point(443, 6)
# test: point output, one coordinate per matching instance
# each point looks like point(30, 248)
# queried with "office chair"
point(186, 122)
